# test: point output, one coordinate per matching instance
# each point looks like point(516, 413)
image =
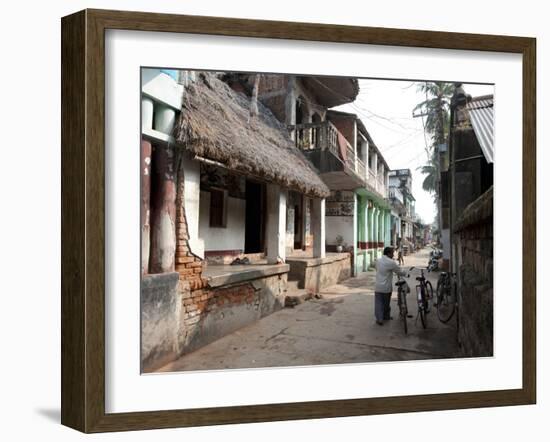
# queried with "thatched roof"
point(214, 124)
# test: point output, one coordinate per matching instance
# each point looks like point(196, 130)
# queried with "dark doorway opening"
point(255, 217)
point(298, 226)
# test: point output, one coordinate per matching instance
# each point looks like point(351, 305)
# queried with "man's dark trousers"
point(382, 307)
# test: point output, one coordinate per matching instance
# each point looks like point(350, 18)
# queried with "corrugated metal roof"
point(481, 114)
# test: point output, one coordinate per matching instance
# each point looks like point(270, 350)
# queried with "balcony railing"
point(314, 138)
point(325, 136)
point(371, 180)
point(360, 169)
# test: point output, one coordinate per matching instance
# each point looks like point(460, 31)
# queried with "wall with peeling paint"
point(160, 319)
point(230, 237)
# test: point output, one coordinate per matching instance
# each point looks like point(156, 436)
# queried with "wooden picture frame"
point(83, 220)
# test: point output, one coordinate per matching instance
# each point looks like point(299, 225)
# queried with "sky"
point(385, 107)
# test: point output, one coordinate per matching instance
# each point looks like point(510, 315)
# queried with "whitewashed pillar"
point(192, 194)
point(375, 169)
point(355, 234)
point(318, 227)
point(355, 163)
point(365, 149)
point(375, 213)
point(276, 224)
point(305, 224)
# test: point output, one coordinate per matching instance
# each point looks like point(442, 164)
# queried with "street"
point(339, 327)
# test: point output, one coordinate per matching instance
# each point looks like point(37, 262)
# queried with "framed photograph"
point(255, 209)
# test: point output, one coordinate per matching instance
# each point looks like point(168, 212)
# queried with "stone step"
point(293, 286)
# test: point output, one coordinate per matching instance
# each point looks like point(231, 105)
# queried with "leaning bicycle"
point(402, 290)
point(446, 300)
point(424, 293)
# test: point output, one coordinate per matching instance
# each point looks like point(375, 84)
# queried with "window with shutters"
point(218, 208)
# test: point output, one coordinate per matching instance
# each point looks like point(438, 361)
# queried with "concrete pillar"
point(146, 113)
point(355, 234)
point(388, 228)
point(192, 192)
point(276, 224)
point(374, 225)
point(362, 207)
point(145, 212)
point(383, 230)
point(318, 227)
point(305, 224)
point(380, 220)
point(365, 159)
point(366, 234)
point(163, 237)
point(165, 118)
point(371, 223)
point(290, 104)
point(375, 169)
point(354, 144)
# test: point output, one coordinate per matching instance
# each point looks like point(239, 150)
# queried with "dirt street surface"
point(338, 328)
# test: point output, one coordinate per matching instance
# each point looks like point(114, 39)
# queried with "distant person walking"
point(400, 259)
point(385, 268)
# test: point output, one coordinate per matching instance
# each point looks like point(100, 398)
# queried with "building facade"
point(403, 205)
point(470, 196)
point(217, 179)
point(340, 148)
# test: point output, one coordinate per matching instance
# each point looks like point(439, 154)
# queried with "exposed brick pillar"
point(145, 212)
point(163, 238)
point(189, 266)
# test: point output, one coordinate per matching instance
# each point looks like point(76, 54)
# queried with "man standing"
point(385, 268)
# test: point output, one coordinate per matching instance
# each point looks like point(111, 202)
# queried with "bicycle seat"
point(421, 278)
point(400, 282)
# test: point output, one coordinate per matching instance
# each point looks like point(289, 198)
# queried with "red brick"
point(184, 259)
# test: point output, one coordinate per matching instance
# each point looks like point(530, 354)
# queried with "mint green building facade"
point(374, 221)
point(373, 228)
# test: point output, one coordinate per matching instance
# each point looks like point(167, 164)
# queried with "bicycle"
point(424, 293)
point(402, 290)
point(446, 300)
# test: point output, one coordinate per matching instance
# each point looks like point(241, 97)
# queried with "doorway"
point(254, 217)
point(298, 223)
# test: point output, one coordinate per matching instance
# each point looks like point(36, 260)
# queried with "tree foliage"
point(435, 108)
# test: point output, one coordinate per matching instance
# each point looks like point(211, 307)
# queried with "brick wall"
point(345, 126)
point(190, 267)
point(272, 93)
point(474, 249)
point(209, 313)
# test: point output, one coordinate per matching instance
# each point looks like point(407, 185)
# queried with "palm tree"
point(430, 170)
point(436, 109)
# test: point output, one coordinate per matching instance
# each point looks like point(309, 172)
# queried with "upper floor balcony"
point(377, 182)
point(331, 153)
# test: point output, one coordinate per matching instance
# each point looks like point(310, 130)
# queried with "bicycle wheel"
point(403, 309)
point(445, 304)
point(429, 290)
point(423, 306)
point(423, 318)
point(439, 291)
